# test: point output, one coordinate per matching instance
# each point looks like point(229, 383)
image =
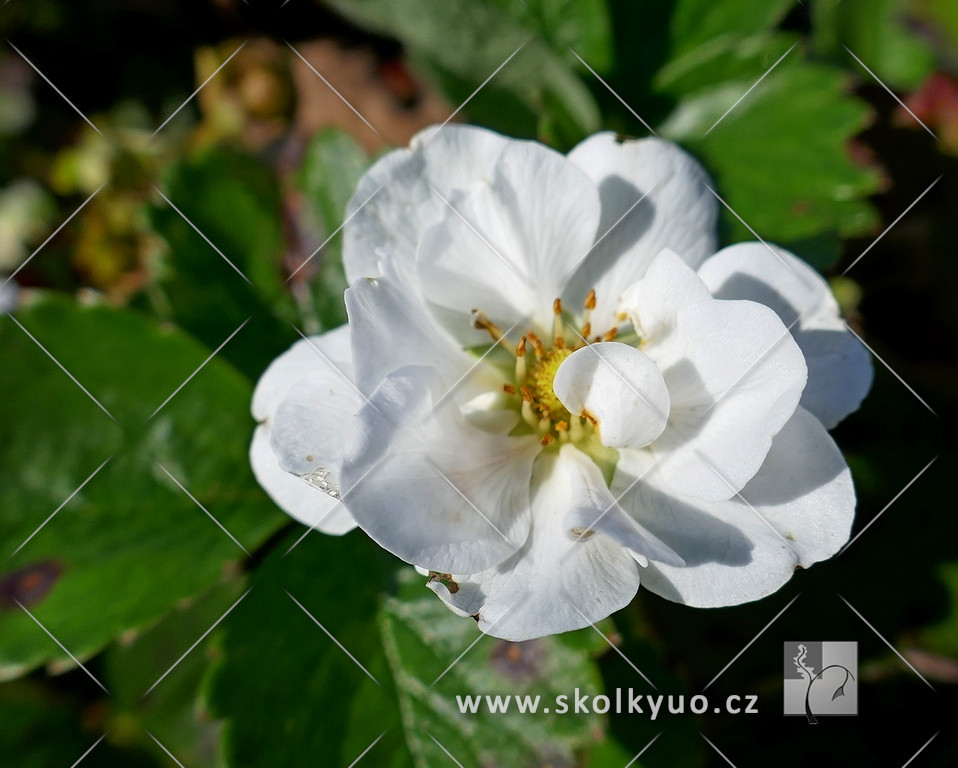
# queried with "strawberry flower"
point(551, 387)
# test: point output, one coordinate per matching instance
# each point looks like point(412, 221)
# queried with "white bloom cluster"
point(551, 386)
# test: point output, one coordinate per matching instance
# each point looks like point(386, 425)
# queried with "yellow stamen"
point(558, 330)
point(537, 345)
point(481, 320)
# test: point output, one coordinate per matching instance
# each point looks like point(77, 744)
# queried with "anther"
point(590, 300)
point(586, 330)
point(537, 345)
point(481, 320)
point(558, 330)
point(508, 389)
point(611, 334)
point(521, 361)
point(547, 439)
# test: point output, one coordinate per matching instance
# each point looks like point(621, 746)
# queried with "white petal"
point(308, 430)
point(390, 329)
point(557, 581)
point(430, 487)
point(796, 511)
point(619, 389)
point(393, 203)
point(294, 495)
point(593, 509)
point(305, 400)
point(330, 351)
point(653, 302)
point(507, 245)
point(735, 376)
point(678, 212)
point(839, 367)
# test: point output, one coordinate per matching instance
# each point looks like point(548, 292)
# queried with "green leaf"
point(324, 704)
point(234, 201)
point(331, 169)
point(877, 32)
point(779, 157)
point(469, 41)
point(697, 22)
point(421, 639)
point(43, 727)
point(152, 660)
point(288, 693)
point(131, 544)
point(584, 27)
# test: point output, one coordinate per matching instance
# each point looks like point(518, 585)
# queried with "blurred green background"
point(97, 216)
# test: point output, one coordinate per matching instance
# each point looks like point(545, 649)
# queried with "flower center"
point(533, 390)
point(538, 390)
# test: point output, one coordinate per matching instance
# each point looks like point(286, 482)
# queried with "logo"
point(821, 679)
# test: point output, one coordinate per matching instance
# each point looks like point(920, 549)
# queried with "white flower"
point(550, 387)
